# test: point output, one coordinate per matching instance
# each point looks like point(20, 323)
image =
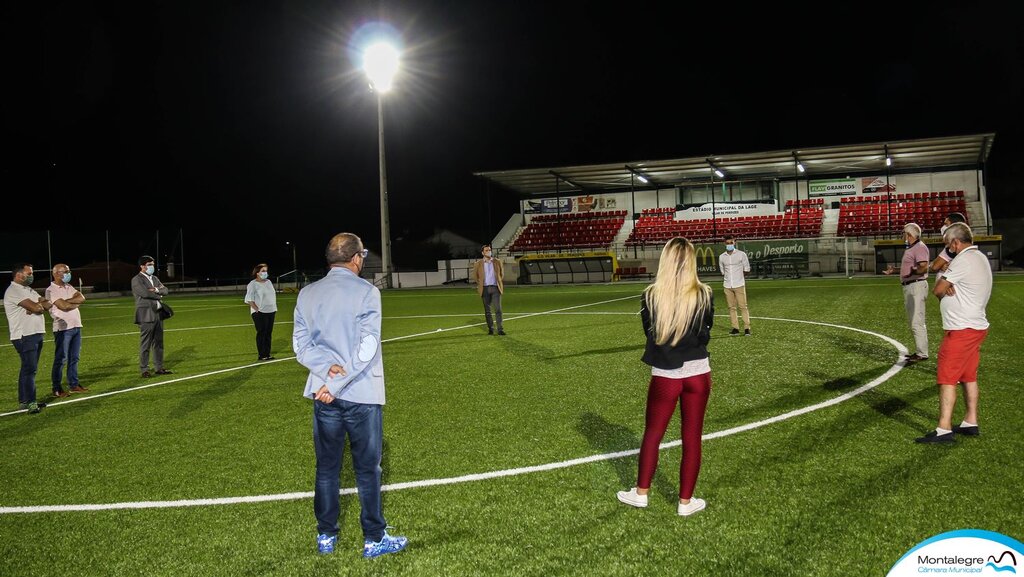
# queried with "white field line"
point(217, 372)
point(895, 368)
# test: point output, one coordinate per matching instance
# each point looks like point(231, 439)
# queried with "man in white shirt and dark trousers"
point(24, 308)
point(734, 266)
point(963, 293)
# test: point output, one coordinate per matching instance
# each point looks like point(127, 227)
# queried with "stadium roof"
point(907, 156)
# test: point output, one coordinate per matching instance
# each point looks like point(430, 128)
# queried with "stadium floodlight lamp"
point(799, 166)
point(888, 161)
point(718, 173)
point(641, 178)
point(381, 62)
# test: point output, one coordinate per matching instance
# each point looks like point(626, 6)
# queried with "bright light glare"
point(800, 167)
point(641, 179)
point(888, 161)
point(719, 173)
point(380, 61)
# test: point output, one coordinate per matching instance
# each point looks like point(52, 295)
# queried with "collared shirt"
point(971, 277)
point(263, 294)
point(489, 278)
point(733, 266)
point(915, 253)
point(63, 320)
point(21, 322)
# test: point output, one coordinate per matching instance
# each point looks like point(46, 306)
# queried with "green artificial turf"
point(836, 491)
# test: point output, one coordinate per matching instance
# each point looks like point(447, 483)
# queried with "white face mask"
point(150, 270)
point(942, 230)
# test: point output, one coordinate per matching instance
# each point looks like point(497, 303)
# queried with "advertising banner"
point(834, 187)
point(874, 184)
point(548, 205)
point(766, 257)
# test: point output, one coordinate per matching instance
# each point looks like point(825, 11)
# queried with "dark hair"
point(145, 258)
point(256, 269)
point(342, 247)
point(485, 247)
point(19, 267)
point(729, 237)
point(956, 217)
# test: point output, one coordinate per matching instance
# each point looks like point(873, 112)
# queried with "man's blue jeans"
point(29, 347)
point(68, 346)
point(365, 429)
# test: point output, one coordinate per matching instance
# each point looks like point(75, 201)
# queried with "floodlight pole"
point(385, 233)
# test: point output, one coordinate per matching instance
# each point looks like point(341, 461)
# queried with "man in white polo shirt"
point(67, 330)
point(963, 294)
point(24, 308)
point(734, 266)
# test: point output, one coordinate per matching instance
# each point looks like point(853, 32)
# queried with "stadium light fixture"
point(716, 170)
point(641, 178)
point(381, 64)
point(888, 161)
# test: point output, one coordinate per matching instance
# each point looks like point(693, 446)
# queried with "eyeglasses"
point(364, 252)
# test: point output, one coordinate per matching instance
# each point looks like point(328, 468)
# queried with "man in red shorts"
point(963, 293)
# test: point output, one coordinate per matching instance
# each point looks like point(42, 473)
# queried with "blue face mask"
point(150, 270)
point(730, 247)
point(66, 277)
point(263, 275)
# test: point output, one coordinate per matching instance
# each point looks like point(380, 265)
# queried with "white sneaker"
point(692, 507)
point(631, 497)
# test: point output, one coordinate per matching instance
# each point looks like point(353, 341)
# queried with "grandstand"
point(836, 202)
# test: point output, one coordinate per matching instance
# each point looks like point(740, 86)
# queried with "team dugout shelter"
point(838, 209)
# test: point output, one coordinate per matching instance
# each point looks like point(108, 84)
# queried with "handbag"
point(165, 311)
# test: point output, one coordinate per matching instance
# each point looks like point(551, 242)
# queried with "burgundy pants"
point(692, 393)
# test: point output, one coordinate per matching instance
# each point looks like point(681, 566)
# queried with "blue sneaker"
point(387, 544)
point(325, 543)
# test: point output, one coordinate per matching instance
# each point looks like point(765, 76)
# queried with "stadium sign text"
point(839, 186)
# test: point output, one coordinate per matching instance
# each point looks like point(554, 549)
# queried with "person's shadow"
point(606, 437)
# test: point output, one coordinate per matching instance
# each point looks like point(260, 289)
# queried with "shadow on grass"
point(591, 352)
point(213, 392)
point(902, 409)
point(180, 354)
point(606, 437)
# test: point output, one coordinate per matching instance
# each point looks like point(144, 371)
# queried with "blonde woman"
point(677, 313)
point(262, 300)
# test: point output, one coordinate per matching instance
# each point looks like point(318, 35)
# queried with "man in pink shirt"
point(914, 278)
point(67, 329)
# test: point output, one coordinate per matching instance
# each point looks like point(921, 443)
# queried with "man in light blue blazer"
point(337, 337)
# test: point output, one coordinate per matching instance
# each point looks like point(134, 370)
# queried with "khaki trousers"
point(915, 295)
point(737, 297)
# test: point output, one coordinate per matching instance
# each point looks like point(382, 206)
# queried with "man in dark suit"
point(148, 291)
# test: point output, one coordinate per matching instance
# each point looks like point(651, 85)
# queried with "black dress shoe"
point(490, 331)
point(162, 372)
point(969, 431)
point(501, 333)
point(146, 374)
point(734, 332)
point(934, 437)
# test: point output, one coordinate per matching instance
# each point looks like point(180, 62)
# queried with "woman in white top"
point(262, 300)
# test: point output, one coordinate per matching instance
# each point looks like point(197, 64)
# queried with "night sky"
point(247, 124)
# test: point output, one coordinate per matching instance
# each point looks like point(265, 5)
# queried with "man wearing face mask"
point(963, 294)
point(67, 329)
point(914, 278)
point(941, 262)
point(148, 291)
point(734, 266)
point(336, 336)
point(24, 308)
point(488, 273)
